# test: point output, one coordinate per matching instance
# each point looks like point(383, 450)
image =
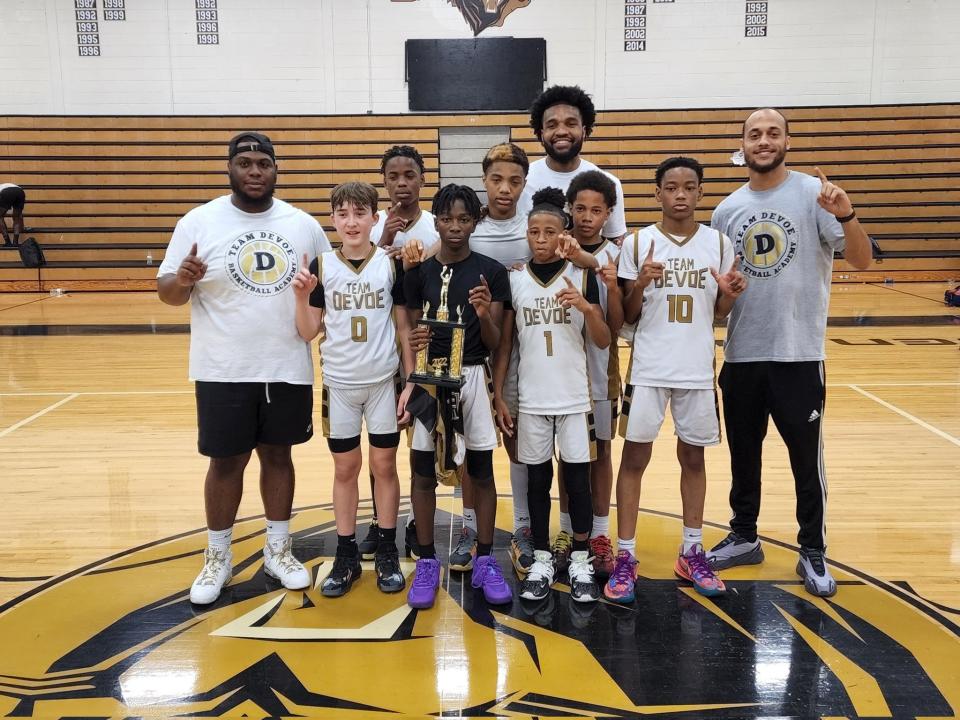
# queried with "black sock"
point(347, 544)
point(484, 549)
point(581, 545)
point(428, 552)
point(388, 539)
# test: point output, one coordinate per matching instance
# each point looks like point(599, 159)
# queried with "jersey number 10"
point(680, 308)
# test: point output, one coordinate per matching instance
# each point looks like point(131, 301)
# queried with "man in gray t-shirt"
point(786, 226)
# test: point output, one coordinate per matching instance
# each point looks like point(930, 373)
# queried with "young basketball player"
point(403, 175)
point(351, 293)
point(670, 273)
point(553, 305)
point(591, 197)
point(478, 287)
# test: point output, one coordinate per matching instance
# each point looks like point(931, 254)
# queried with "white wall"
point(346, 56)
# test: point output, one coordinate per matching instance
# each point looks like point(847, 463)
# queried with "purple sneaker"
point(426, 582)
point(487, 574)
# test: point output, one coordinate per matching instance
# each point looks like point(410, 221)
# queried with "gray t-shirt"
point(787, 243)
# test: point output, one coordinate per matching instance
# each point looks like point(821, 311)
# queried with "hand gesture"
point(403, 415)
point(516, 266)
point(393, 224)
point(607, 274)
point(419, 338)
point(832, 198)
point(192, 269)
point(650, 270)
point(568, 247)
point(732, 283)
point(413, 253)
point(504, 421)
point(571, 297)
point(304, 281)
point(481, 298)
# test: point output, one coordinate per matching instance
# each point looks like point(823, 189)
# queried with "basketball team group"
point(479, 325)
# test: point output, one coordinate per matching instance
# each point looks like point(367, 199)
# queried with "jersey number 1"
point(548, 339)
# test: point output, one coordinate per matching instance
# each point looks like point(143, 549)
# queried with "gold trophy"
point(444, 372)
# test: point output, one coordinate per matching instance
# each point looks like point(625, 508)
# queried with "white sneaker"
point(216, 573)
point(583, 588)
point(812, 567)
point(280, 564)
point(536, 585)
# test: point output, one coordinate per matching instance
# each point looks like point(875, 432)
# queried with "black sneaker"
point(346, 569)
point(368, 546)
point(410, 544)
point(389, 576)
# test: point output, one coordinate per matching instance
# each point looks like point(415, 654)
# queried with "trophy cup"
point(444, 372)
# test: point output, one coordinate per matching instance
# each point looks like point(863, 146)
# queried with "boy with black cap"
point(234, 260)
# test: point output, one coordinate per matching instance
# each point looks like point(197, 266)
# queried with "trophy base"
point(444, 381)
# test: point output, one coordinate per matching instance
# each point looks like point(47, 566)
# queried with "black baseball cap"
point(251, 142)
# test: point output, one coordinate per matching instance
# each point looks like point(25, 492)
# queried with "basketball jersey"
point(423, 230)
point(360, 346)
point(553, 363)
point(603, 364)
point(674, 343)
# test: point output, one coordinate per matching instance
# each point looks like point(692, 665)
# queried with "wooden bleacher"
point(103, 193)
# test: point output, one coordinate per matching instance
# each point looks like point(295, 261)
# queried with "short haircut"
point(550, 200)
point(675, 162)
point(506, 152)
point(358, 194)
point(786, 123)
point(563, 95)
point(447, 195)
point(407, 151)
point(596, 181)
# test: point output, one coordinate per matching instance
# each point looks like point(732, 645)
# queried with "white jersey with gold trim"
point(360, 346)
point(553, 363)
point(674, 343)
point(603, 364)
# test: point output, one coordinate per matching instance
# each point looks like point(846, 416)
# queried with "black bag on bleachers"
point(31, 255)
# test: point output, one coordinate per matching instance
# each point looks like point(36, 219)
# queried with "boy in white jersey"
point(403, 174)
point(591, 198)
point(679, 291)
point(554, 305)
point(350, 294)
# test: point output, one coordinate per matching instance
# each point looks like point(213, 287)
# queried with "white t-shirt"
point(674, 344)
point(541, 176)
point(553, 362)
point(423, 230)
point(360, 345)
point(503, 240)
point(243, 312)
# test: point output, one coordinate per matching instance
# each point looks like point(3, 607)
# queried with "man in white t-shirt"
point(562, 118)
point(234, 260)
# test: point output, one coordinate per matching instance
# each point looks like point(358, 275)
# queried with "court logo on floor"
point(120, 638)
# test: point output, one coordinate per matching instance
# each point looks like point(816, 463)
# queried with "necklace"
point(413, 221)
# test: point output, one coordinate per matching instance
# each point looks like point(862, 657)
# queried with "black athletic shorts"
point(12, 197)
point(233, 418)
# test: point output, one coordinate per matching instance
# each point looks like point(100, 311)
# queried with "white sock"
point(470, 518)
point(629, 545)
point(519, 484)
point(220, 539)
point(565, 523)
point(277, 531)
point(409, 517)
point(601, 526)
point(691, 537)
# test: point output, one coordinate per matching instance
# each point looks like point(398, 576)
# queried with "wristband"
point(847, 218)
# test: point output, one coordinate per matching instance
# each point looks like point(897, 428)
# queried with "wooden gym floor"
point(101, 492)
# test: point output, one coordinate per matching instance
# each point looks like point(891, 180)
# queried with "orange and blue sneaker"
point(619, 587)
point(693, 566)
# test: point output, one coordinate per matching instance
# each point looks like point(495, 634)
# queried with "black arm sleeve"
point(317, 299)
point(411, 288)
point(397, 291)
point(593, 289)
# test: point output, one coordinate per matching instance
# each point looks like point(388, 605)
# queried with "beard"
point(237, 189)
point(770, 166)
point(567, 156)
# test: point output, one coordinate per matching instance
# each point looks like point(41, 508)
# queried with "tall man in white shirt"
point(234, 260)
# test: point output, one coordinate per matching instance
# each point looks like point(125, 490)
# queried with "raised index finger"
point(823, 178)
point(483, 281)
point(650, 253)
point(193, 250)
point(569, 284)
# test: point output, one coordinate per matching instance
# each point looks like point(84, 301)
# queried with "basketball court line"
point(39, 413)
point(908, 416)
